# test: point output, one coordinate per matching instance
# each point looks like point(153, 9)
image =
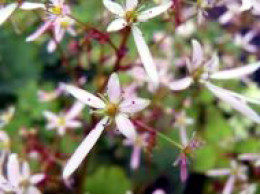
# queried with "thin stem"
point(169, 140)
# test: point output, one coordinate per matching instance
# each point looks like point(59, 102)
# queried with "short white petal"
point(85, 97)
point(114, 7)
point(37, 178)
point(218, 172)
point(181, 84)
point(75, 110)
point(125, 126)
point(6, 12)
point(50, 116)
point(84, 148)
point(153, 12)
point(197, 55)
point(31, 6)
point(134, 104)
point(145, 55)
point(131, 4)
point(13, 170)
point(234, 102)
point(246, 5)
point(113, 88)
point(236, 72)
point(116, 25)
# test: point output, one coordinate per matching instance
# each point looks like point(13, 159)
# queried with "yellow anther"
point(111, 109)
point(131, 16)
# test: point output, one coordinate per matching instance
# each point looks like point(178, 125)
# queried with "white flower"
point(114, 108)
point(18, 178)
point(235, 172)
point(203, 72)
point(243, 41)
point(63, 121)
point(130, 16)
point(7, 11)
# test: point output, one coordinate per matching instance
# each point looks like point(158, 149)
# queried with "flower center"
point(111, 109)
point(56, 10)
point(131, 16)
point(61, 121)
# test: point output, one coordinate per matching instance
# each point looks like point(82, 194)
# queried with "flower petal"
point(135, 158)
point(116, 25)
point(75, 110)
point(197, 55)
point(6, 12)
point(113, 89)
point(133, 105)
point(229, 185)
point(39, 32)
point(145, 55)
point(13, 171)
point(84, 148)
point(131, 4)
point(246, 5)
point(25, 170)
point(50, 115)
point(31, 6)
point(234, 102)
point(153, 12)
point(218, 172)
point(37, 178)
point(236, 72)
point(181, 84)
point(113, 7)
point(85, 97)
point(125, 126)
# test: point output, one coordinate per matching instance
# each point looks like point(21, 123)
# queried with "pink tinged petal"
point(51, 46)
point(234, 102)
point(181, 84)
point(84, 148)
point(125, 126)
point(145, 55)
point(116, 25)
point(197, 55)
point(183, 166)
point(32, 6)
point(39, 32)
point(37, 178)
point(85, 97)
point(246, 5)
point(135, 158)
point(153, 12)
point(50, 116)
point(131, 4)
point(113, 88)
point(218, 172)
point(236, 72)
point(75, 110)
point(229, 185)
point(133, 105)
point(113, 7)
point(226, 17)
point(6, 12)
point(13, 171)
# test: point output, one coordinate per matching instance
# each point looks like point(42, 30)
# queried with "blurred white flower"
point(243, 41)
point(6, 116)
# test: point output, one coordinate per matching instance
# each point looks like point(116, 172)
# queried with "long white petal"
point(84, 148)
point(6, 12)
point(75, 110)
point(229, 185)
point(145, 55)
point(85, 97)
point(125, 126)
point(197, 55)
point(234, 102)
point(153, 12)
point(131, 4)
point(133, 105)
point(13, 171)
point(113, 7)
point(116, 25)
point(32, 6)
point(113, 89)
point(180, 84)
point(236, 72)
